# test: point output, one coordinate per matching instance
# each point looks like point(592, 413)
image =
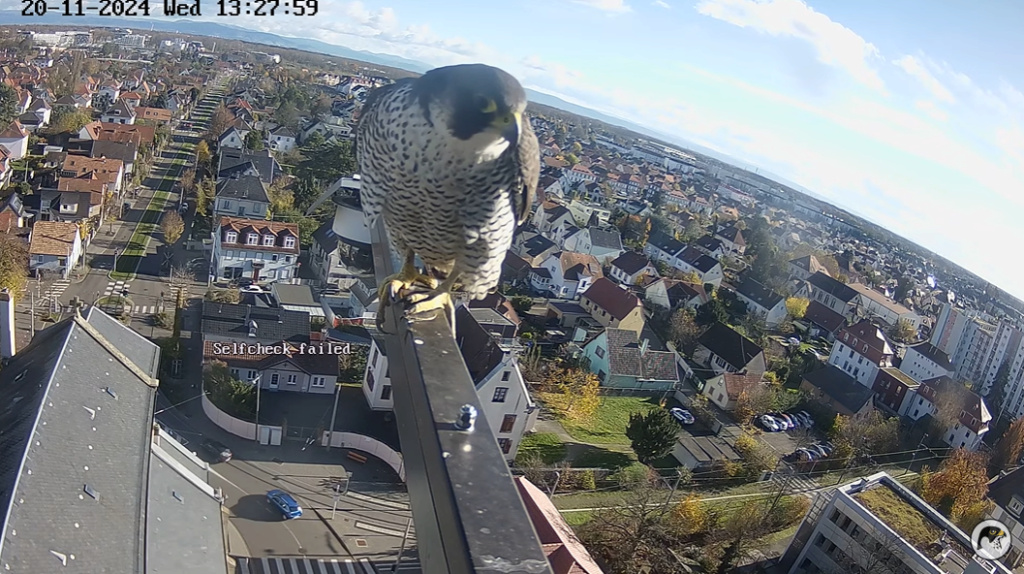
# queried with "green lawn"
point(604, 458)
point(545, 445)
point(608, 425)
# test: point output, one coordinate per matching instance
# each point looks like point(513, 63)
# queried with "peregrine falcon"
point(451, 164)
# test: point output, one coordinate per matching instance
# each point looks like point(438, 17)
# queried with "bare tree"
point(181, 276)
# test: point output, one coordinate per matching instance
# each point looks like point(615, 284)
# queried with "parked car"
point(818, 449)
point(808, 417)
point(682, 415)
point(217, 450)
point(783, 420)
point(807, 454)
point(770, 424)
point(804, 421)
point(827, 447)
point(285, 503)
point(252, 289)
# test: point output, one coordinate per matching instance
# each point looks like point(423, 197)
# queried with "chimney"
point(7, 345)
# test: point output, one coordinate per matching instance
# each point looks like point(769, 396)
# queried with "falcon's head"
point(992, 534)
point(478, 103)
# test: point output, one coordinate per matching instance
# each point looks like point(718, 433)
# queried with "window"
point(227, 204)
point(720, 397)
point(851, 353)
point(319, 382)
point(292, 379)
point(230, 237)
point(505, 444)
point(505, 376)
point(1016, 506)
point(287, 258)
point(373, 359)
point(251, 375)
point(499, 395)
point(268, 240)
point(273, 257)
point(599, 352)
point(507, 423)
point(274, 379)
point(289, 242)
point(252, 239)
point(385, 393)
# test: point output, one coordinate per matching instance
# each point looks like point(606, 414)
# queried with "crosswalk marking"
point(116, 287)
point(367, 567)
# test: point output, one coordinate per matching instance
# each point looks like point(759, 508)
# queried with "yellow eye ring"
point(490, 108)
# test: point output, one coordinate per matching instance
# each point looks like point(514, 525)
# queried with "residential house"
point(230, 323)
point(119, 113)
point(54, 247)
point(802, 268)
point(231, 138)
point(673, 294)
point(724, 350)
point(972, 420)
point(508, 407)
point(762, 302)
point(860, 351)
point(90, 482)
point(712, 246)
point(106, 170)
point(822, 321)
point(37, 115)
point(604, 244)
point(261, 163)
point(153, 115)
point(925, 361)
point(302, 371)
point(613, 306)
point(14, 139)
point(834, 294)
point(281, 139)
point(242, 196)
point(109, 91)
point(533, 247)
point(662, 248)
point(13, 215)
point(621, 361)
point(732, 239)
point(587, 214)
point(632, 267)
point(74, 201)
point(133, 99)
point(707, 270)
point(895, 390)
point(838, 392)
point(725, 389)
point(566, 274)
point(514, 269)
point(549, 216)
point(126, 152)
point(877, 305)
point(264, 251)
point(1006, 492)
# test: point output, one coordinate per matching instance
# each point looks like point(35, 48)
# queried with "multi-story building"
point(949, 329)
point(860, 351)
point(966, 409)
point(508, 407)
point(925, 361)
point(850, 530)
point(255, 249)
point(242, 196)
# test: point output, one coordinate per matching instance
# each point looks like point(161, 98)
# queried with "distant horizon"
point(858, 106)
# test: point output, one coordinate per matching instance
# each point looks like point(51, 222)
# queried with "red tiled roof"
point(608, 296)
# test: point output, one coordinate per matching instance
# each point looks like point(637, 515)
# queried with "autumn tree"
point(872, 434)
point(203, 155)
point(756, 458)
point(752, 401)
point(903, 331)
point(8, 104)
point(13, 263)
point(281, 197)
point(797, 307)
point(959, 487)
point(1008, 449)
point(652, 434)
point(68, 120)
point(577, 392)
point(691, 515)
point(205, 193)
point(220, 121)
point(172, 226)
point(187, 180)
point(683, 329)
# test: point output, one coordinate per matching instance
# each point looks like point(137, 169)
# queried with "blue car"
point(284, 502)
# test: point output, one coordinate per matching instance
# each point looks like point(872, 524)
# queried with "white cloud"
point(835, 44)
point(917, 70)
point(933, 110)
point(614, 6)
point(662, 4)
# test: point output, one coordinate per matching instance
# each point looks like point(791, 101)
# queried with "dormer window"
point(230, 237)
point(268, 240)
point(252, 239)
point(289, 242)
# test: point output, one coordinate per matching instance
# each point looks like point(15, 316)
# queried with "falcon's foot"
point(405, 284)
point(426, 306)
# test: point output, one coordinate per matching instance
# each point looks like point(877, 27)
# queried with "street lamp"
point(257, 381)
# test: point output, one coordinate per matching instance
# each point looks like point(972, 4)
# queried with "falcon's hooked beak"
point(509, 124)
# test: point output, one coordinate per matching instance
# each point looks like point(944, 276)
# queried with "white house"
point(674, 293)
point(732, 239)
point(972, 422)
point(54, 247)
point(693, 260)
point(231, 138)
point(310, 373)
point(888, 311)
point(565, 274)
point(662, 248)
point(860, 351)
point(604, 244)
point(551, 215)
point(261, 250)
point(925, 361)
point(15, 140)
point(119, 113)
point(507, 405)
point(832, 293)
point(762, 302)
point(281, 139)
point(629, 267)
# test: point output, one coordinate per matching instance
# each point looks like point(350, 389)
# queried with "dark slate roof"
point(728, 344)
point(76, 419)
point(479, 350)
point(538, 245)
point(708, 242)
point(272, 324)
point(665, 243)
point(325, 237)
point(933, 354)
point(124, 151)
point(623, 353)
point(732, 233)
point(631, 262)
point(834, 287)
point(824, 317)
point(240, 186)
point(842, 388)
point(759, 294)
point(809, 263)
point(608, 238)
point(233, 159)
point(680, 292)
point(1003, 488)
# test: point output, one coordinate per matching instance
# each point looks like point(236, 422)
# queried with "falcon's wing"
point(371, 196)
point(527, 162)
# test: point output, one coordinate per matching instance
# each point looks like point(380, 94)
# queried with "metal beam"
point(467, 511)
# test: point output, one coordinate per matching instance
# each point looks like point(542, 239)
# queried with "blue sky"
point(909, 113)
